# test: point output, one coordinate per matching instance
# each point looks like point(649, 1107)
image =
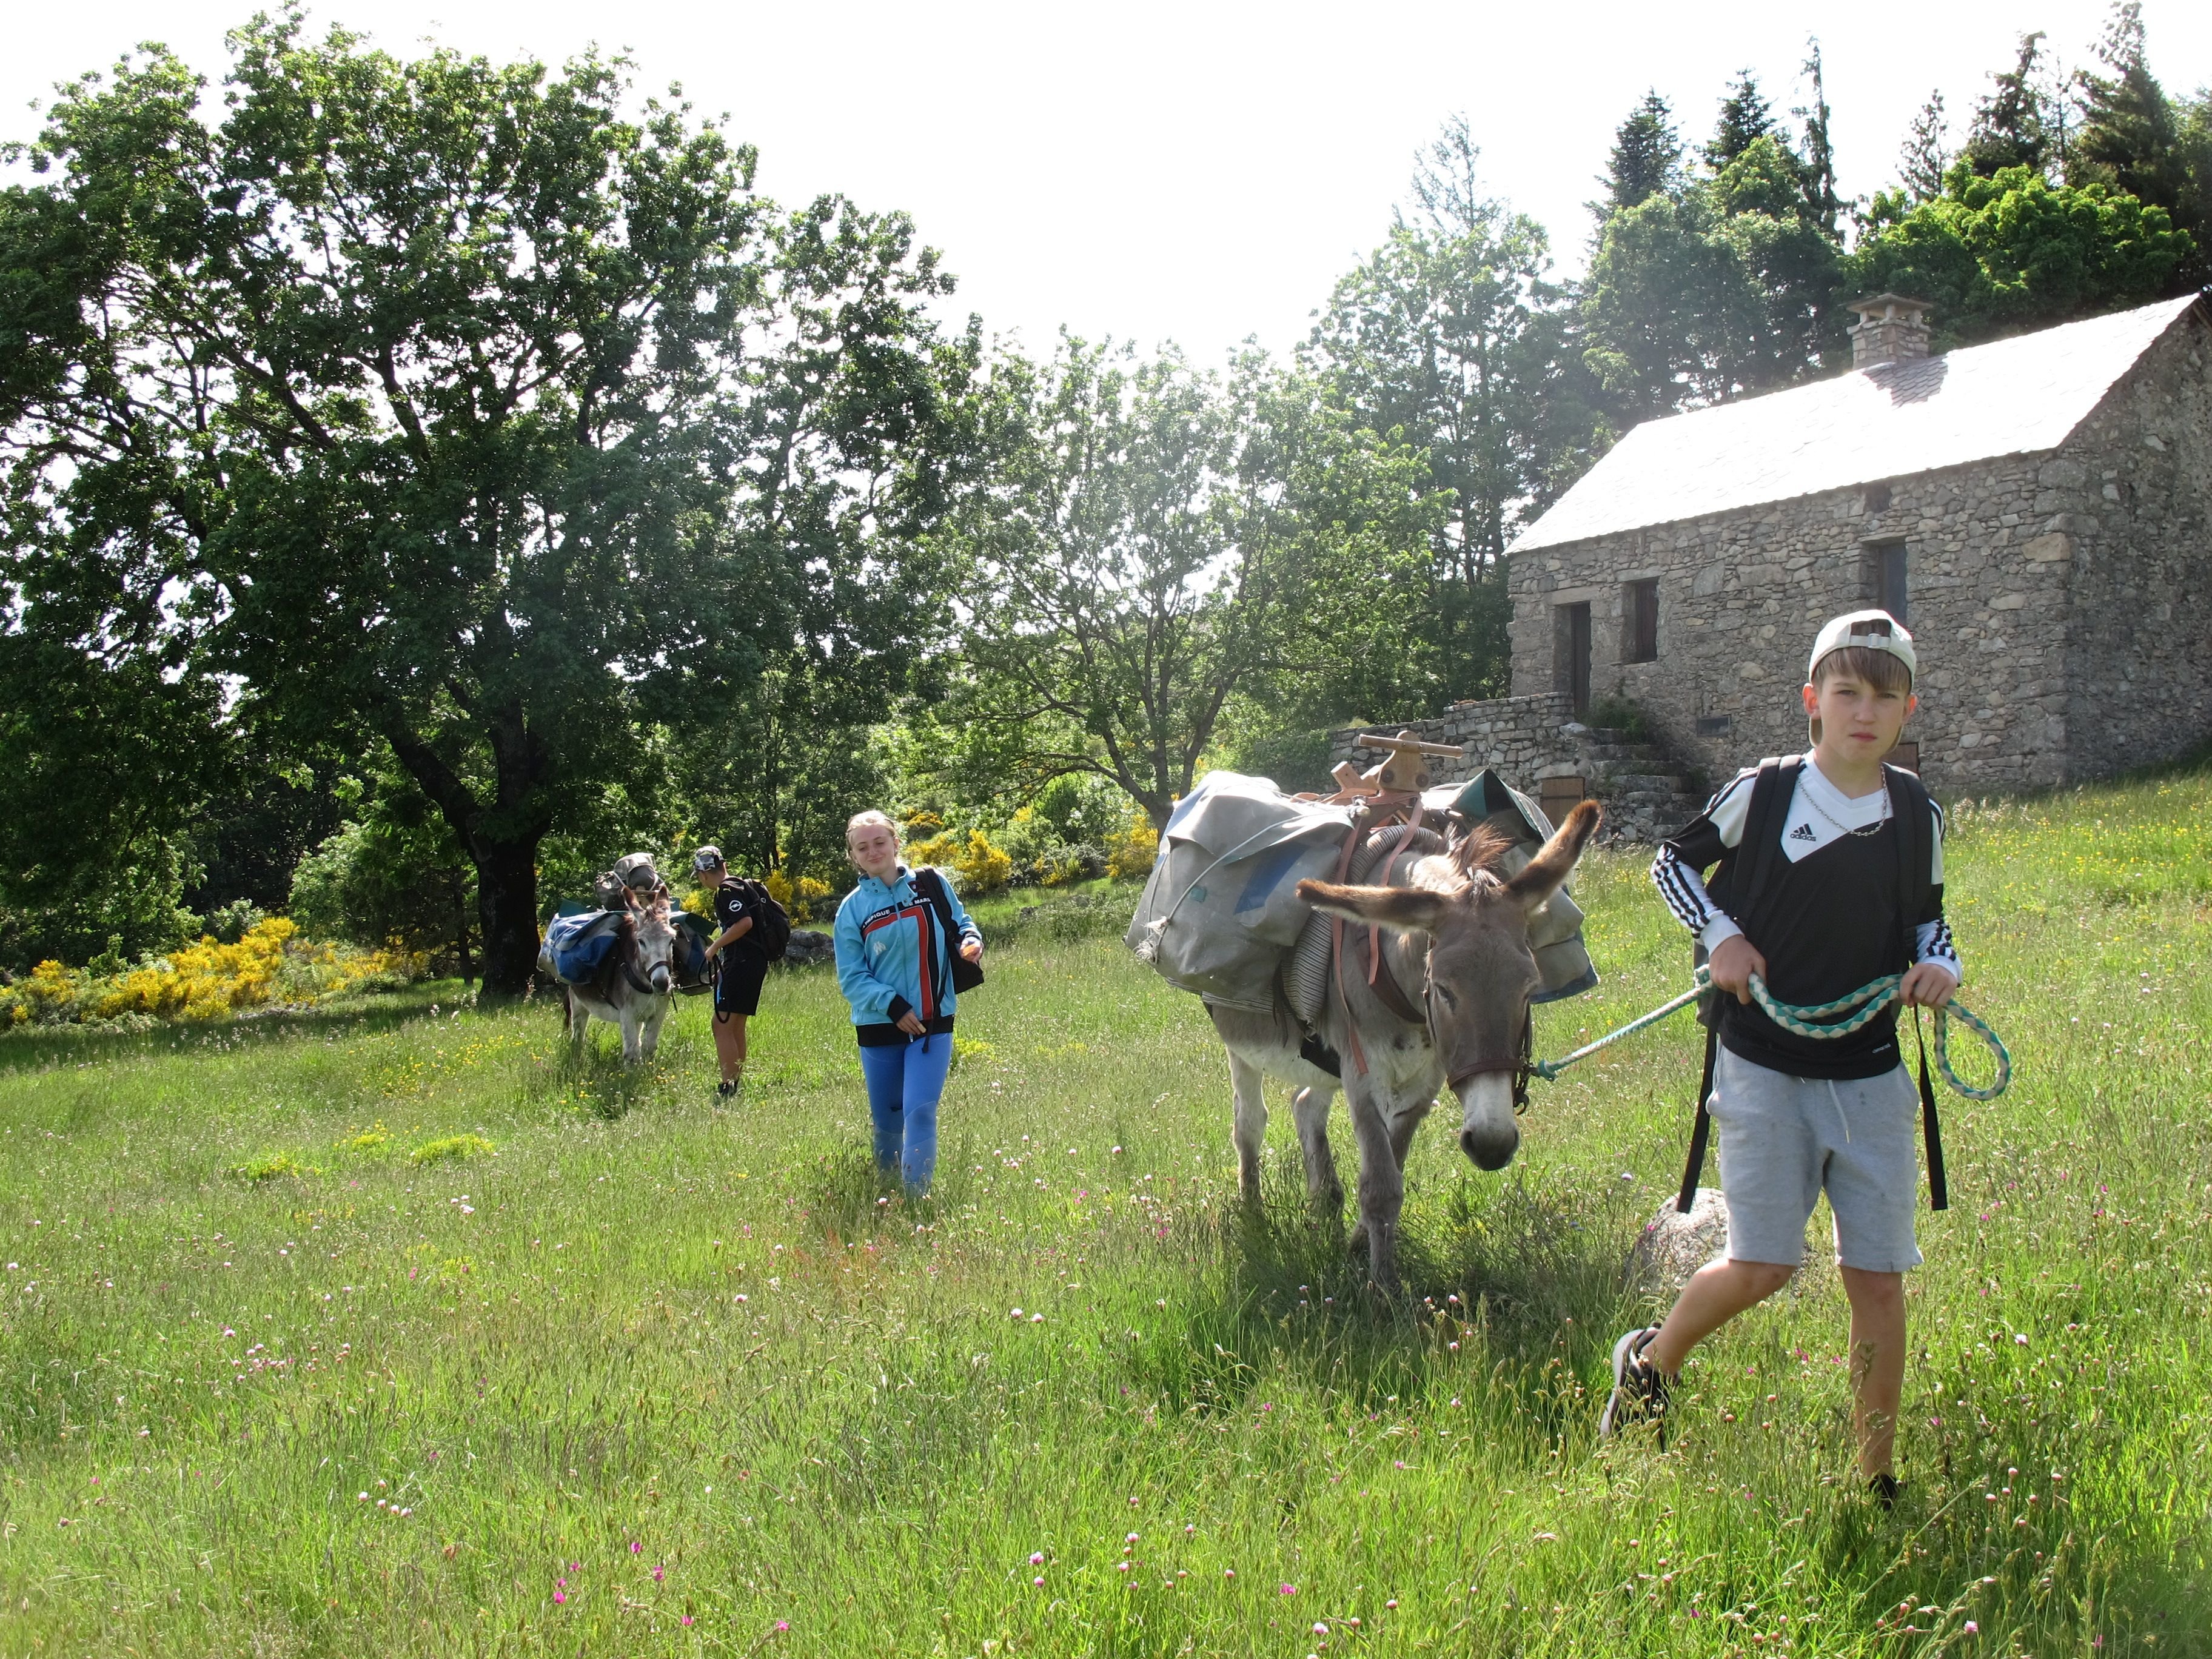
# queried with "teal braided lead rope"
point(1869, 1000)
point(1549, 1070)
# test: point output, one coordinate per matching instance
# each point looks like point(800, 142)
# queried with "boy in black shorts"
point(737, 962)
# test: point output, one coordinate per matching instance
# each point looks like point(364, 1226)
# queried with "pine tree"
point(2012, 128)
point(1744, 117)
point(1924, 160)
point(2128, 135)
point(1820, 153)
point(1646, 160)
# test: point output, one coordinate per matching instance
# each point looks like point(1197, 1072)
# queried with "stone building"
point(2038, 511)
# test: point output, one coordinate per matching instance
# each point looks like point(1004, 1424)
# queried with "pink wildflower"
point(1286, 1590)
point(1036, 1558)
point(659, 1572)
point(559, 1597)
point(634, 1546)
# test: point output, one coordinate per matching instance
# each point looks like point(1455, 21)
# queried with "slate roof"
point(2008, 397)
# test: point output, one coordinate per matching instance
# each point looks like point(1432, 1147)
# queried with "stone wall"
point(2059, 601)
point(1519, 736)
point(2135, 482)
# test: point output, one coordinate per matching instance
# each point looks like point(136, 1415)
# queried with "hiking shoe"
point(1639, 1392)
point(1883, 1489)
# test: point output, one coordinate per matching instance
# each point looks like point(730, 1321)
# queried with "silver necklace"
point(1841, 828)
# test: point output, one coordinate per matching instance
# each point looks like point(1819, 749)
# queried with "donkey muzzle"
point(1487, 1132)
point(661, 979)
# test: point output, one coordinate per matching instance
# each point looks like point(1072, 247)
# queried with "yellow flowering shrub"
point(812, 889)
point(981, 867)
point(1131, 851)
point(797, 899)
point(208, 981)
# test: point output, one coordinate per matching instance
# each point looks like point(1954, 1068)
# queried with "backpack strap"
point(929, 882)
point(1771, 791)
point(1914, 815)
point(1702, 1130)
point(1772, 788)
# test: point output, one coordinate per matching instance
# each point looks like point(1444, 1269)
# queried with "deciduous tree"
point(1452, 339)
point(1152, 540)
point(438, 401)
point(2013, 251)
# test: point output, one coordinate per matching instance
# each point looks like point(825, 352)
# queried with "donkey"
point(1457, 930)
point(632, 990)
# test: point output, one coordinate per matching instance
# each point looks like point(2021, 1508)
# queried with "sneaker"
point(725, 1090)
point(1639, 1392)
point(1883, 1489)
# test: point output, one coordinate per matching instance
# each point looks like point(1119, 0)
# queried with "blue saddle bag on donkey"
point(577, 946)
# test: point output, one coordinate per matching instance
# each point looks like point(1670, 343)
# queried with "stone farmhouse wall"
point(2137, 480)
point(1519, 736)
point(2059, 600)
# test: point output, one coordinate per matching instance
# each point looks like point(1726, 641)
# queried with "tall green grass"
point(397, 1333)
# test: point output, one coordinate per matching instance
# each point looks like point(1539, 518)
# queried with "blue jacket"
point(891, 956)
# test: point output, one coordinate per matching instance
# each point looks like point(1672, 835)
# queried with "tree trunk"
point(461, 924)
point(506, 864)
point(507, 912)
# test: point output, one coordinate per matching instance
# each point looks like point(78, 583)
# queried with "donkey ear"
point(1540, 877)
point(1406, 909)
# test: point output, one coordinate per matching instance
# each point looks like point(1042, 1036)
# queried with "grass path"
point(395, 1333)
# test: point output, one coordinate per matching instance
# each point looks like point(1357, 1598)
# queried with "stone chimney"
point(1890, 329)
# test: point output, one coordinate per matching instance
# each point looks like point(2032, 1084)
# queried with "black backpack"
point(771, 928)
point(1746, 873)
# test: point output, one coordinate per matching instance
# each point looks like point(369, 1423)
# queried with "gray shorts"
point(1785, 1139)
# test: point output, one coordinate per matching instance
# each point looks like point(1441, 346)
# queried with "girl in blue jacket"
point(894, 966)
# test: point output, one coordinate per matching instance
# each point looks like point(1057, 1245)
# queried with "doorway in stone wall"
point(1570, 645)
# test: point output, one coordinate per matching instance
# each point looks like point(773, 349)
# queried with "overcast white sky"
point(1200, 171)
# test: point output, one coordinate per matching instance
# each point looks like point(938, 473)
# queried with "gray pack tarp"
point(1222, 908)
point(1555, 932)
point(1221, 911)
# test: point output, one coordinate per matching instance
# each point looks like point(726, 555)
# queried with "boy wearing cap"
point(742, 968)
point(1853, 889)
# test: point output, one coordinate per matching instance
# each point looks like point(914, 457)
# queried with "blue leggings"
point(904, 1081)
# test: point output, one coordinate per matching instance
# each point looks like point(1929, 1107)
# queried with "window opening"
point(1571, 640)
point(1639, 617)
point(1885, 578)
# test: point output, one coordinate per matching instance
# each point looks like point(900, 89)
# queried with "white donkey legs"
point(1250, 1131)
point(1309, 1107)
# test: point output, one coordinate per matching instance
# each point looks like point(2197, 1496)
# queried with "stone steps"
point(1643, 792)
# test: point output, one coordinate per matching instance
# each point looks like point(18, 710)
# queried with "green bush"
point(1621, 714)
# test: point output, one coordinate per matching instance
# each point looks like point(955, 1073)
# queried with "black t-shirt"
point(730, 906)
point(1827, 923)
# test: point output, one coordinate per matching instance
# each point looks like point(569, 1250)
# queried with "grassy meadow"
point(394, 1331)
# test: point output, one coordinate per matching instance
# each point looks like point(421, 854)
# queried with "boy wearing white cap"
point(1831, 875)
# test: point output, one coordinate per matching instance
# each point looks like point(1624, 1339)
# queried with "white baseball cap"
point(1871, 630)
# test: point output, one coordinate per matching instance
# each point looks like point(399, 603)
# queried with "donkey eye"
point(1450, 1001)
